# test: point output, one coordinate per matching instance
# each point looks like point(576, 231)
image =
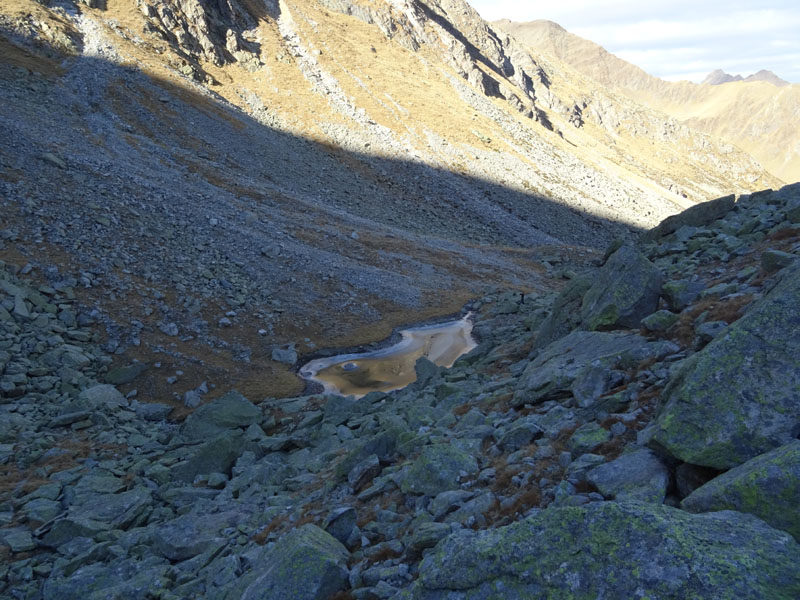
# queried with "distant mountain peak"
point(718, 77)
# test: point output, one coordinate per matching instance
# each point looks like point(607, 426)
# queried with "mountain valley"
point(198, 198)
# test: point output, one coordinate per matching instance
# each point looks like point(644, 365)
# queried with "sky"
point(676, 39)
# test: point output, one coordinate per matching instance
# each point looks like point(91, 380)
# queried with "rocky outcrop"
point(617, 551)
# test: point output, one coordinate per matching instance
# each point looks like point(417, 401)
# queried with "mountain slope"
point(755, 115)
point(221, 180)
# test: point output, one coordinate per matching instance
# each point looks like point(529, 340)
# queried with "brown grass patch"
point(787, 233)
point(461, 410)
point(729, 310)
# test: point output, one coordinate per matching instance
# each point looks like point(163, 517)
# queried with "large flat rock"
point(612, 550)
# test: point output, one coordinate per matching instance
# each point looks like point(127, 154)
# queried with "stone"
point(364, 472)
point(126, 374)
point(591, 383)
point(638, 475)
point(340, 522)
point(626, 289)
point(699, 215)
point(122, 578)
point(427, 535)
point(565, 314)
point(586, 438)
point(305, 564)
point(192, 534)
point(738, 397)
point(218, 455)
point(775, 260)
point(614, 550)
point(103, 395)
point(680, 293)
point(287, 356)
point(552, 373)
point(425, 371)
point(767, 486)
point(19, 540)
point(438, 469)
point(660, 320)
point(227, 412)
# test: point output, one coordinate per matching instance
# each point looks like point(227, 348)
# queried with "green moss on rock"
point(738, 397)
point(767, 486)
point(611, 550)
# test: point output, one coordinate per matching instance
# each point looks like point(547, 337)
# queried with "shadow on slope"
point(184, 210)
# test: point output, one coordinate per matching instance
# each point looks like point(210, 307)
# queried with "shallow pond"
point(392, 368)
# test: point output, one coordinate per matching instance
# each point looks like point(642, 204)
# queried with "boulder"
point(586, 438)
point(192, 534)
point(767, 486)
point(228, 412)
point(614, 550)
point(122, 578)
point(660, 320)
point(102, 395)
point(125, 374)
point(565, 314)
point(638, 475)
point(775, 260)
point(438, 469)
point(740, 396)
point(305, 564)
point(558, 366)
point(626, 290)
point(218, 455)
point(680, 293)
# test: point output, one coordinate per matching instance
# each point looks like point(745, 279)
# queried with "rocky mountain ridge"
point(634, 433)
point(752, 115)
point(718, 77)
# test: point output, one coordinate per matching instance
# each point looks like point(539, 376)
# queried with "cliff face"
point(756, 114)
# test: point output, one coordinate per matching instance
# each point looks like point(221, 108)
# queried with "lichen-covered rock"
point(553, 372)
point(438, 469)
point(228, 412)
point(680, 293)
point(638, 475)
point(740, 396)
point(625, 291)
point(305, 564)
point(615, 550)
point(767, 486)
point(586, 438)
point(660, 320)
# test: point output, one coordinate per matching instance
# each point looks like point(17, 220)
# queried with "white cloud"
point(677, 38)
